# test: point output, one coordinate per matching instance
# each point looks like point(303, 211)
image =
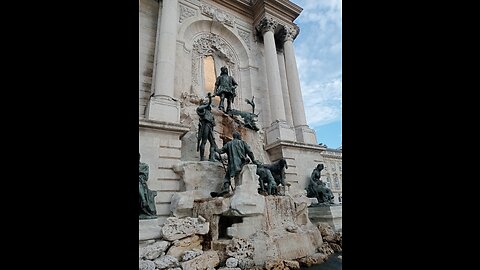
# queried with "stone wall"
point(301, 160)
point(160, 148)
point(333, 171)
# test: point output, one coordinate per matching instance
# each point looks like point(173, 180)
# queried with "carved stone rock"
point(146, 265)
point(176, 228)
point(179, 247)
point(155, 250)
point(166, 261)
point(208, 259)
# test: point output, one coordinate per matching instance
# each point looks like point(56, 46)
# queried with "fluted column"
point(303, 132)
point(162, 105)
point(277, 109)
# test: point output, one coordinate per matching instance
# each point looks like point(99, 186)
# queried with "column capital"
point(266, 24)
point(290, 32)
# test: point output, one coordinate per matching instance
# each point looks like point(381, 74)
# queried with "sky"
point(318, 50)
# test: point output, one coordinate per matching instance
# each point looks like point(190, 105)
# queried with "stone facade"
point(254, 40)
point(332, 173)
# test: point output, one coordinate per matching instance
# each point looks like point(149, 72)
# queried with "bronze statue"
point(265, 178)
point(205, 129)
point(249, 119)
point(146, 201)
point(278, 171)
point(225, 87)
point(318, 189)
point(238, 153)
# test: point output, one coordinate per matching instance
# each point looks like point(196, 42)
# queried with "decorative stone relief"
point(218, 15)
point(245, 35)
point(290, 32)
point(267, 24)
point(185, 13)
point(209, 44)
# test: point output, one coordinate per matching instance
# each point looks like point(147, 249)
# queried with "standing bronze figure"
point(238, 153)
point(225, 87)
point(205, 129)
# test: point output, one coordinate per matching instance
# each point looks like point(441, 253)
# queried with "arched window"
point(209, 75)
point(336, 182)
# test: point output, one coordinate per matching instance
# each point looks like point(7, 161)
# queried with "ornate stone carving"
point(209, 44)
point(267, 24)
point(245, 35)
point(186, 12)
point(218, 15)
point(290, 32)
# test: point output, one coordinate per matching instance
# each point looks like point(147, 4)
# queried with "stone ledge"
point(149, 229)
point(294, 145)
point(152, 124)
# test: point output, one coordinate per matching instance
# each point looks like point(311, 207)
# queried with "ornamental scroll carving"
point(206, 44)
point(218, 15)
point(185, 13)
point(267, 24)
point(290, 32)
point(245, 35)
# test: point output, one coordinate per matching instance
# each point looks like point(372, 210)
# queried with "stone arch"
point(201, 38)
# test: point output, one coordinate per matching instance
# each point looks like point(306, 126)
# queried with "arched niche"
point(204, 38)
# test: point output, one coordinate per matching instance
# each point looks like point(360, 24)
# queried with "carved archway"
point(210, 44)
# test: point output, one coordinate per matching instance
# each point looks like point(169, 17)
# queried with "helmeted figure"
point(225, 87)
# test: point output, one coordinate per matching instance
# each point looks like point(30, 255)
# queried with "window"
point(209, 74)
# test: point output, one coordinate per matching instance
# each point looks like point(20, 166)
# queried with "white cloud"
point(318, 51)
point(323, 102)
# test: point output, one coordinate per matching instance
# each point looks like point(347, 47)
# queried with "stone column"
point(279, 129)
point(162, 105)
point(286, 95)
point(303, 132)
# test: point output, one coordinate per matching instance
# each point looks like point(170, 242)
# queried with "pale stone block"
point(246, 199)
point(231, 262)
point(305, 134)
point(149, 229)
point(190, 254)
point(280, 131)
point(163, 209)
point(165, 185)
point(175, 228)
point(164, 196)
point(155, 250)
point(179, 247)
point(201, 177)
point(170, 153)
point(163, 108)
point(146, 265)
point(329, 214)
point(182, 203)
point(166, 261)
point(208, 259)
point(167, 163)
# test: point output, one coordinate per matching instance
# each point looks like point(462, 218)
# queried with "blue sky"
point(318, 49)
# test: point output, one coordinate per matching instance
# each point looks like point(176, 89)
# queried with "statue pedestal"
point(331, 214)
point(149, 229)
point(279, 131)
point(163, 108)
point(306, 135)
